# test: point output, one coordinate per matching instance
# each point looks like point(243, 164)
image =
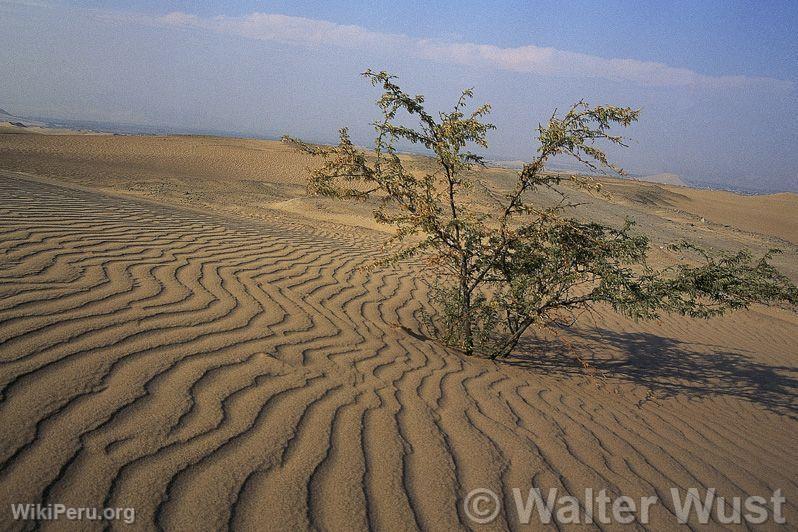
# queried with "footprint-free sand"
point(183, 332)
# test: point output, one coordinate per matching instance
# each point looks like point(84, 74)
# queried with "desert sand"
point(183, 332)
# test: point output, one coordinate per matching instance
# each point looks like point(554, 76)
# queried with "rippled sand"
point(183, 333)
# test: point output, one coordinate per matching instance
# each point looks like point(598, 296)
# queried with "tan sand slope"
point(767, 215)
point(213, 370)
point(248, 177)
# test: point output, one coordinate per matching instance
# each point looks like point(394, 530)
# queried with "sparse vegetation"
point(523, 264)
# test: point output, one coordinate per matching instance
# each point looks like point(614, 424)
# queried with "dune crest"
point(665, 179)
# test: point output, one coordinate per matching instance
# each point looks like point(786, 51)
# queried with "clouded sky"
point(717, 84)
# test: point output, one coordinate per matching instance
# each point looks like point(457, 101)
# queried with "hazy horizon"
point(717, 107)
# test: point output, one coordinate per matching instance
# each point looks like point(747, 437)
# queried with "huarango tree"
point(522, 264)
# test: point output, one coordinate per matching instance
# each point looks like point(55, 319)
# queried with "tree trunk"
point(468, 332)
point(512, 341)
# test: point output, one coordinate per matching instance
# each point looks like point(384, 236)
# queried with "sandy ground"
point(183, 333)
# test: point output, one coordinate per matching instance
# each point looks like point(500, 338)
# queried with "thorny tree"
point(522, 263)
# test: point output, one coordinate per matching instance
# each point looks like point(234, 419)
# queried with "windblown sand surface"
point(182, 332)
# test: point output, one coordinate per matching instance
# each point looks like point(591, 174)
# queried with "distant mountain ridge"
point(665, 179)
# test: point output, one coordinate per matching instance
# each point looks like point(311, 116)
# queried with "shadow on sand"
point(668, 367)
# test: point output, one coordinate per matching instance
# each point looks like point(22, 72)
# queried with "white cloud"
point(287, 29)
point(527, 59)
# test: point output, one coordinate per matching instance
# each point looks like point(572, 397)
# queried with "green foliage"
point(523, 264)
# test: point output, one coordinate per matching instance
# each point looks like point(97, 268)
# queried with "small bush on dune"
point(522, 264)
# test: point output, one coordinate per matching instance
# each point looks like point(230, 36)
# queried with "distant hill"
point(665, 179)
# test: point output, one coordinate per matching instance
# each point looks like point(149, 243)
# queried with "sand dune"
point(665, 179)
point(217, 365)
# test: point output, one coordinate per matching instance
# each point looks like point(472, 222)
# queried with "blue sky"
point(751, 38)
point(716, 81)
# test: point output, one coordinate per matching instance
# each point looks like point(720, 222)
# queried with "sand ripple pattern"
point(217, 373)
